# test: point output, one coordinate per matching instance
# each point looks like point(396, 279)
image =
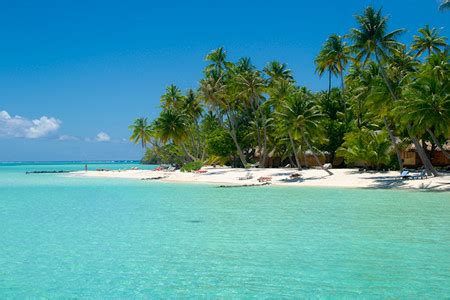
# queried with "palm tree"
point(250, 87)
point(142, 132)
point(277, 71)
point(172, 98)
point(218, 61)
point(192, 107)
point(172, 125)
point(372, 39)
point(334, 57)
point(302, 117)
point(360, 81)
point(215, 91)
point(428, 40)
point(444, 5)
point(426, 106)
point(367, 146)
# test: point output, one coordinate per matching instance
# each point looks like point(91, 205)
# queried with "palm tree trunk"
point(329, 84)
point(423, 156)
point(343, 96)
point(193, 158)
point(199, 140)
point(234, 137)
point(394, 143)
point(194, 146)
point(314, 154)
point(437, 143)
point(264, 156)
point(297, 161)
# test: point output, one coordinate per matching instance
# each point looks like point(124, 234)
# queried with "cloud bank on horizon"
point(21, 127)
point(102, 137)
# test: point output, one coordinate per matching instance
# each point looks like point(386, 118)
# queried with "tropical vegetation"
point(390, 95)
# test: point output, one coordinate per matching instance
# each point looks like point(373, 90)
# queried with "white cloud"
point(66, 137)
point(18, 126)
point(102, 137)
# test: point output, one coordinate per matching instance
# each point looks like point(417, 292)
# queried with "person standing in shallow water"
point(85, 167)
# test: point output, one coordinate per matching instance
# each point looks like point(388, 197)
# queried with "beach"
point(345, 178)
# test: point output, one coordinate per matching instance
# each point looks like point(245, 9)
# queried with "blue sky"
point(74, 74)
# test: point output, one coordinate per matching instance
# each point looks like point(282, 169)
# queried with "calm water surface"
point(64, 237)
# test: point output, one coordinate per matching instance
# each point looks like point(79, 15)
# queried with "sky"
point(75, 74)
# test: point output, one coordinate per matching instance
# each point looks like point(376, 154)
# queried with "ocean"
point(77, 237)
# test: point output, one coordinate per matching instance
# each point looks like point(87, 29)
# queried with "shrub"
point(192, 166)
point(366, 148)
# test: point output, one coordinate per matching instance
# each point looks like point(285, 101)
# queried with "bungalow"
point(411, 158)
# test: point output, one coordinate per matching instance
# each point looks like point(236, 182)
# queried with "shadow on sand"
point(389, 182)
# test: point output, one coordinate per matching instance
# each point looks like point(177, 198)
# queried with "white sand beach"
point(349, 178)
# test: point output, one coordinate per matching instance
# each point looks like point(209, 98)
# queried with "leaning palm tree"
point(428, 40)
point(426, 105)
point(142, 132)
point(214, 90)
point(172, 125)
point(303, 117)
point(372, 39)
point(250, 87)
point(192, 107)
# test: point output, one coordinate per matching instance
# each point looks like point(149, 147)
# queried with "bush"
point(192, 166)
point(366, 148)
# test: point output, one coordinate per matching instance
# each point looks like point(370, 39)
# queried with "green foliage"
point(192, 166)
point(142, 132)
point(364, 147)
point(166, 154)
point(219, 143)
point(239, 112)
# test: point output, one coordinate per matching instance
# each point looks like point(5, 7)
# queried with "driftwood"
point(154, 178)
point(243, 185)
point(47, 172)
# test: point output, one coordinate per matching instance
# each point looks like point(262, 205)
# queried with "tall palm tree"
point(360, 81)
point(277, 71)
point(215, 91)
point(372, 39)
point(193, 109)
point(141, 132)
point(302, 116)
point(428, 40)
point(172, 98)
point(250, 88)
point(172, 125)
point(426, 105)
point(217, 59)
point(334, 57)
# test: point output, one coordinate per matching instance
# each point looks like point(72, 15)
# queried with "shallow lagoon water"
point(64, 237)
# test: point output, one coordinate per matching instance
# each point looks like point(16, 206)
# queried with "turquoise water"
point(67, 237)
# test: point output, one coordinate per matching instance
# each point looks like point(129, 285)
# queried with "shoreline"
point(342, 178)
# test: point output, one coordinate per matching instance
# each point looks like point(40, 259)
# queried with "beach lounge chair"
point(265, 179)
point(405, 175)
point(295, 175)
point(200, 171)
point(421, 175)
